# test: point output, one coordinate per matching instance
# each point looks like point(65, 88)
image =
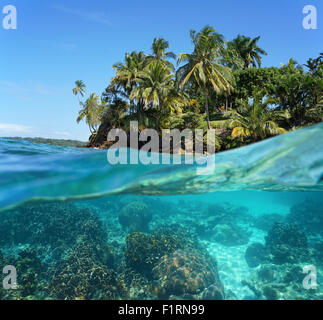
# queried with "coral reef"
point(187, 274)
point(31, 276)
point(286, 243)
point(143, 251)
point(84, 274)
point(222, 223)
point(256, 254)
point(53, 224)
point(280, 282)
point(308, 215)
point(135, 216)
point(265, 222)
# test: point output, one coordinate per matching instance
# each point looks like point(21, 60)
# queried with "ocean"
point(75, 227)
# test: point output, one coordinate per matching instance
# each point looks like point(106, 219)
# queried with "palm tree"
point(128, 72)
point(79, 89)
point(159, 47)
point(255, 121)
point(203, 65)
point(92, 111)
point(155, 84)
point(248, 50)
point(127, 75)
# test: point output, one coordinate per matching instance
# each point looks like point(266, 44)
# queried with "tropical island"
point(220, 85)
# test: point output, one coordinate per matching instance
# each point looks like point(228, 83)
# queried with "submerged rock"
point(187, 274)
point(308, 215)
point(266, 221)
point(135, 217)
point(85, 274)
point(256, 254)
point(143, 251)
point(287, 243)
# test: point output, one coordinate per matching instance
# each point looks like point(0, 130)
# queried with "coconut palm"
point(159, 47)
point(248, 50)
point(255, 121)
point(203, 65)
point(127, 75)
point(79, 89)
point(128, 72)
point(155, 84)
point(92, 110)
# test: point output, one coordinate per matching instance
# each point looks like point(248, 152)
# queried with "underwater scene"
point(78, 228)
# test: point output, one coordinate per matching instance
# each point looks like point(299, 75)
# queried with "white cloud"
point(95, 16)
point(10, 128)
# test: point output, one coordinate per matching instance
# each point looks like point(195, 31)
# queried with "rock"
point(287, 244)
point(256, 254)
point(135, 217)
point(187, 274)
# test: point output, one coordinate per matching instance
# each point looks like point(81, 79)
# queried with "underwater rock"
point(83, 275)
point(266, 221)
point(280, 282)
point(57, 224)
point(31, 276)
point(135, 217)
point(256, 254)
point(143, 251)
point(137, 285)
point(266, 273)
point(187, 274)
point(286, 243)
point(270, 293)
point(308, 215)
point(230, 235)
point(225, 213)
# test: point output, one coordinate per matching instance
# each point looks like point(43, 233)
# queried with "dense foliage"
point(221, 84)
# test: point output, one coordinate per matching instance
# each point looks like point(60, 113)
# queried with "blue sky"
point(58, 42)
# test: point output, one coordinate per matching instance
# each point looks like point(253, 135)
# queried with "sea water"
point(76, 227)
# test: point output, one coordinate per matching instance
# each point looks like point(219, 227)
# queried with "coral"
point(256, 254)
point(220, 223)
point(225, 213)
point(187, 274)
point(137, 285)
point(308, 216)
point(280, 282)
point(270, 293)
point(286, 243)
point(135, 217)
point(83, 275)
point(31, 272)
point(143, 251)
point(266, 221)
point(266, 273)
point(56, 224)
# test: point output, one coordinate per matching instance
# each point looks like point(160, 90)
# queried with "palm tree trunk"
point(206, 96)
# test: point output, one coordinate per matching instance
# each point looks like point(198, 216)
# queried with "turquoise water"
point(76, 227)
